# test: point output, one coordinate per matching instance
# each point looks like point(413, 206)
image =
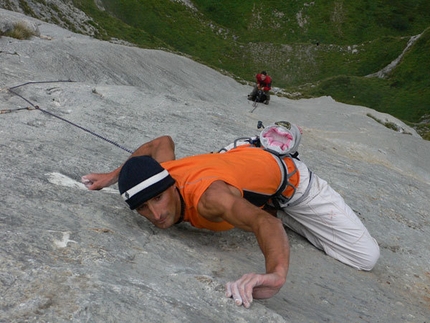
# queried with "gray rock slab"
point(72, 255)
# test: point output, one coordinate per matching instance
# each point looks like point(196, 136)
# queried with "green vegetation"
point(407, 103)
point(404, 93)
point(388, 124)
point(19, 31)
point(314, 48)
point(26, 8)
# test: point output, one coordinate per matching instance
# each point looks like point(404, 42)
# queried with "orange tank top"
point(253, 171)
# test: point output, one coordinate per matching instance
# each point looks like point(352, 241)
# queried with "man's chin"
point(164, 225)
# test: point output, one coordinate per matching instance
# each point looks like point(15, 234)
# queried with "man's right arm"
point(161, 149)
point(224, 202)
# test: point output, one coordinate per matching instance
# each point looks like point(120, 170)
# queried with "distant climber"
point(260, 93)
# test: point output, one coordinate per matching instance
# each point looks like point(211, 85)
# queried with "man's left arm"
point(222, 201)
point(161, 149)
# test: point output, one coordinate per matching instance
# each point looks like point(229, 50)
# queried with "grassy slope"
point(404, 93)
point(334, 43)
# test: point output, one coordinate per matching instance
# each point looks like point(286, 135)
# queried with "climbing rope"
point(54, 115)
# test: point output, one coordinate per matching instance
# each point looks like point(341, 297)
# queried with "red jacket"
point(266, 85)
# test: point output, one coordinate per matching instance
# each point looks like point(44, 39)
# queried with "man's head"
point(263, 75)
point(146, 186)
point(142, 178)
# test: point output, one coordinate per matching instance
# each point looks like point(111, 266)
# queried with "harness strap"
point(278, 196)
point(305, 193)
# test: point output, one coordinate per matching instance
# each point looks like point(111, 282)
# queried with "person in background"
point(263, 86)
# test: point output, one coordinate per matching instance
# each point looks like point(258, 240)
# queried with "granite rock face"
point(72, 255)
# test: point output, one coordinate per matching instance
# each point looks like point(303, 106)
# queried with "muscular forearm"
point(252, 286)
point(268, 230)
point(161, 149)
point(222, 201)
point(274, 244)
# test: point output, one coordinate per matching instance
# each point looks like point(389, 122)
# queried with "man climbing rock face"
point(219, 191)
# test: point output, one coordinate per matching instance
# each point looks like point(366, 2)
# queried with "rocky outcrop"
point(61, 13)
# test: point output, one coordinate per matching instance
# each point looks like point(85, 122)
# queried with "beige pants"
point(323, 217)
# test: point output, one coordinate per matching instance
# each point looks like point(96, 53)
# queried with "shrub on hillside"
point(20, 30)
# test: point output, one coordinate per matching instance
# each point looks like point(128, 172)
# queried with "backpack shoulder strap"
point(278, 196)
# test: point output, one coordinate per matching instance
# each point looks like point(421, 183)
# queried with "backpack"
point(281, 138)
point(261, 96)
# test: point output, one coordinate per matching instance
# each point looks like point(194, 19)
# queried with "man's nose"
point(156, 212)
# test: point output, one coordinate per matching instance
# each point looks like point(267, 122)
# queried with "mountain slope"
point(69, 254)
point(298, 43)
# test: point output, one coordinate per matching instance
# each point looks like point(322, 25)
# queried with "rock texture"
point(60, 12)
point(71, 255)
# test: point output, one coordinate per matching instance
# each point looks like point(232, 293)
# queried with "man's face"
point(164, 209)
point(263, 77)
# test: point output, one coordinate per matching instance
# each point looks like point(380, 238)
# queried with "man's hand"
point(251, 286)
point(96, 181)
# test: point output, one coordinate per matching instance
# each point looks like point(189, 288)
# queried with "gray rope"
point(58, 117)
